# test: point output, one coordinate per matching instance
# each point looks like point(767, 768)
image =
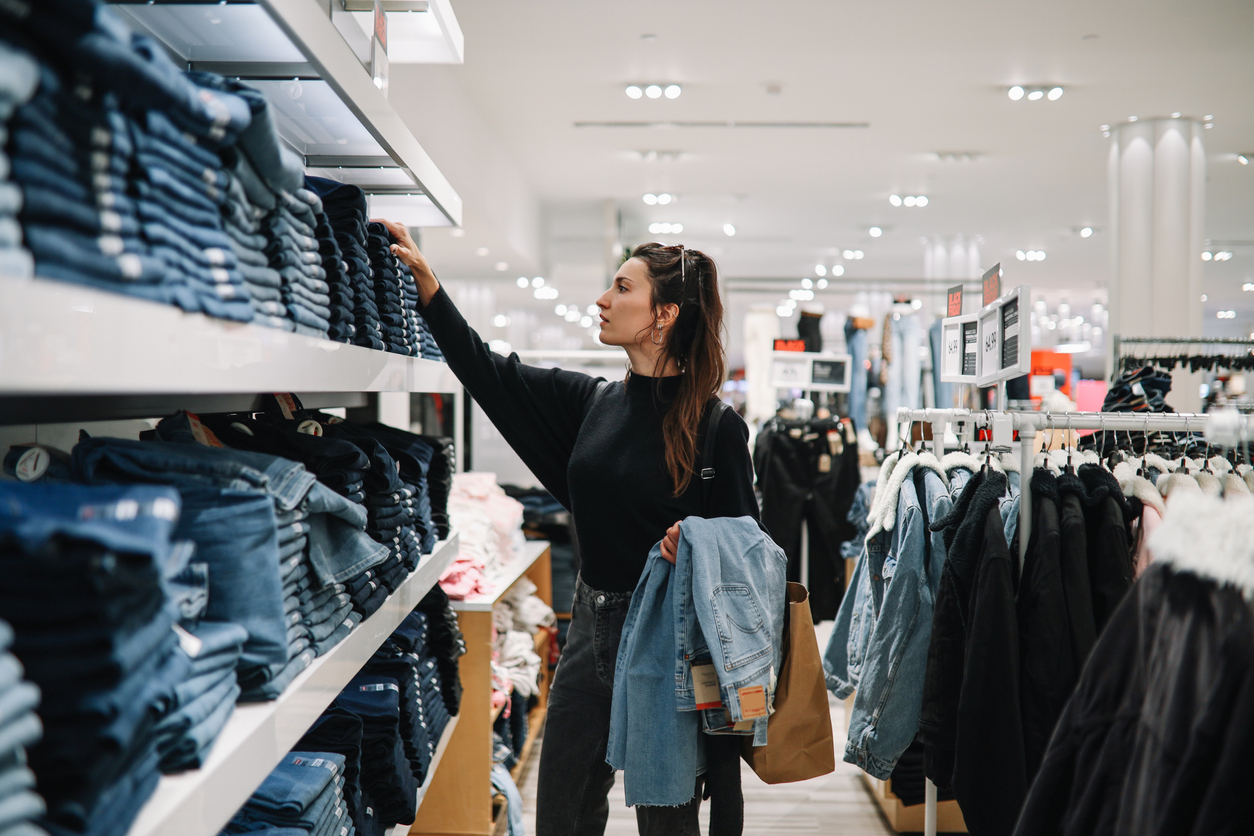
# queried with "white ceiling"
point(927, 77)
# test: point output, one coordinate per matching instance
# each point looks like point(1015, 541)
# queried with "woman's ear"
point(666, 315)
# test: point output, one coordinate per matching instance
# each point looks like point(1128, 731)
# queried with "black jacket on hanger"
point(808, 473)
point(1157, 737)
point(1111, 570)
point(1050, 666)
point(971, 722)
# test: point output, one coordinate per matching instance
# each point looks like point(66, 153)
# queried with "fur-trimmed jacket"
point(1156, 738)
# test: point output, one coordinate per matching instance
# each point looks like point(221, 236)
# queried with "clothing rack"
point(1225, 430)
point(1119, 342)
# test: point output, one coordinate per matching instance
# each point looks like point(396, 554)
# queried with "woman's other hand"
point(407, 252)
point(670, 543)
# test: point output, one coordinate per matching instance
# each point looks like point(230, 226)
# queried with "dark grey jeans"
point(575, 780)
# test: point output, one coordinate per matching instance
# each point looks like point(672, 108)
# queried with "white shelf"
point(513, 570)
point(64, 339)
point(258, 735)
point(402, 829)
point(298, 38)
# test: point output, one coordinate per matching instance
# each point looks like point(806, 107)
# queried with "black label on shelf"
point(1010, 334)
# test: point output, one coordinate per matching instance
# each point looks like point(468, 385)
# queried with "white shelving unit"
point(258, 735)
point(58, 338)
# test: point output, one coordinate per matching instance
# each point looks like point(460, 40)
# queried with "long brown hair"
point(689, 279)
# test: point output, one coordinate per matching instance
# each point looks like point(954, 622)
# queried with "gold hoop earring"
point(657, 336)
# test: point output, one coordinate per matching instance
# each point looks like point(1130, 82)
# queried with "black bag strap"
point(707, 455)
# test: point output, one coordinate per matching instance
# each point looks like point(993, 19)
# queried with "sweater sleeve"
point(732, 491)
point(538, 411)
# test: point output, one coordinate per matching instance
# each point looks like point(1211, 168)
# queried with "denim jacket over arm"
point(898, 577)
point(728, 579)
point(736, 575)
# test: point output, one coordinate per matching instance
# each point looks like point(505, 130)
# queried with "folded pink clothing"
point(464, 578)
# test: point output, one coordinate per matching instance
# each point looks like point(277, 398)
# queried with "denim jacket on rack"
point(882, 653)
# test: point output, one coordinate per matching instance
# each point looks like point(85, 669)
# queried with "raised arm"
point(538, 411)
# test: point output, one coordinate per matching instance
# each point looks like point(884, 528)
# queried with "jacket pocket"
point(742, 632)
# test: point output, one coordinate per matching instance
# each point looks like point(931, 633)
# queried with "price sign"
point(811, 371)
point(960, 349)
point(1005, 346)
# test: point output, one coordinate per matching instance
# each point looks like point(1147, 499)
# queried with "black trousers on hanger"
point(803, 483)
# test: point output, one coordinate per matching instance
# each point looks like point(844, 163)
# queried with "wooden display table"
point(459, 800)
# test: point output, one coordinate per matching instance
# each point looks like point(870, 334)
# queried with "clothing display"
point(808, 473)
point(175, 187)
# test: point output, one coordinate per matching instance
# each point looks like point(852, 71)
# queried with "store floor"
point(836, 803)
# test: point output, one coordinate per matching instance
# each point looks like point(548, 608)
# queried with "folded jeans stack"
point(128, 177)
point(340, 731)
point(345, 207)
point(19, 76)
point(303, 794)
point(205, 700)
point(386, 774)
point(19, 728)
point(399, 332)
point(83, 593)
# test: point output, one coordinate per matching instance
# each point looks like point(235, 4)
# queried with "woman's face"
point(627, 307)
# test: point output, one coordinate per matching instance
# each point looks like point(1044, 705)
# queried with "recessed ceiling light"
point(537, 282)
point(838, 270)
point(1035, 95)
point(522, 281)
point(1055, 94)
point(1086, 232)
point(650, 199)
point(820, 269)
point(664, 199)
point(673, 90)
point(481, 251)
point(729, 230)
point(653, 91)
point(1015, 93)
point(875, 232)
point(634, 92)
point(894, 199)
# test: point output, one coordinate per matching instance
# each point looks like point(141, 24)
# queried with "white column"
point(1157, 191)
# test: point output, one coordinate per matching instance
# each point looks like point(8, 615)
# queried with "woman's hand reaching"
point(407, 252)
point(670, 543)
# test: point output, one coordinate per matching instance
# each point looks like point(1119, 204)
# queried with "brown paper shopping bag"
point(799, 732)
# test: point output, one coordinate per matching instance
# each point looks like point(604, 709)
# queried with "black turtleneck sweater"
point(608, 466)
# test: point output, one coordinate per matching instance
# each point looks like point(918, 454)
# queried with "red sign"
point(992, 284)
point(790, 345)
point(380, 25)
point(954, 306)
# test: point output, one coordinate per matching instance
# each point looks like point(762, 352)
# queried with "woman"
point(625, 470)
